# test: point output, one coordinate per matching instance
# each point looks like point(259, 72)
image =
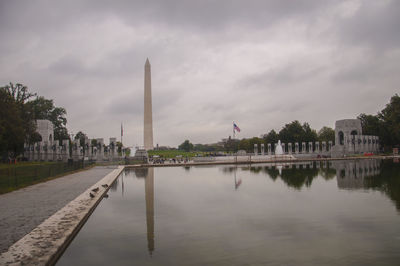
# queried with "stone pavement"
point(23, 210)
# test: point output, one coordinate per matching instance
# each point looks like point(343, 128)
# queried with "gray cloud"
point(260, 63)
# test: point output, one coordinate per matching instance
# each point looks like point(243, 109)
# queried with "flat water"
point(332, 213)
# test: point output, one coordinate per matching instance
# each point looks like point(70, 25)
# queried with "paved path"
point(22, 210)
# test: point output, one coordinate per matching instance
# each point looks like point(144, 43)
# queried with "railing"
point(15, 176)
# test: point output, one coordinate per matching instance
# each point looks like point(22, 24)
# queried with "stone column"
point(100, 149)
point(46, 151)
point(88, 148)
point(65, 150)
point(369, 143)
point(255, 149)
point(58, 151)
point(330, 145)
point(296, 147)
point(303, 147)
point(269, 148)
point(262, 149)
point(41, 152)
point(75, 150)
point(113, 148)
point(289, 148)
point(310, 148)
point(324, 146)
point(377, 144)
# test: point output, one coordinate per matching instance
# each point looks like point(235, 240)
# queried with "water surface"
point(338, 213)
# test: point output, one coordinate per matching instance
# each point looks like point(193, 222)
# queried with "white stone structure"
point(148, 113)
point(350, 140)
point(45, 129)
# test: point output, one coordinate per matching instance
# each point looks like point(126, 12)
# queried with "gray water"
point(338, 213)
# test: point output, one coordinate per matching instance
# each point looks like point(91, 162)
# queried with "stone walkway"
point(23, 210)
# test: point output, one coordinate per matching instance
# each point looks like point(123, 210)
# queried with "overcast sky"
point(260, 63)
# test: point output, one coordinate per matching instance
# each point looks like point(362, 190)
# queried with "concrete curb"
point(45, 244)
point(276, 160)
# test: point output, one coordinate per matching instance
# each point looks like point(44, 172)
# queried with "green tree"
point(292, 132)
point(326, 134)
point(94, 142)
point(272, 137)
point(231, 145)
point(81, 136)
point(12, 131)
point(43, 108)
point(20, 95)
point(186, 146)
point(309, 133)
point(390, 117)
point(119, 147)
point(244, 144)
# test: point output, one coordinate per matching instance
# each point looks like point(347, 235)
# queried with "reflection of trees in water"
point(387, 181)
point(297, 178)
point(327, 173)
point(273, 172)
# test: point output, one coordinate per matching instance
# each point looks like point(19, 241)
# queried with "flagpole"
point(233, 126)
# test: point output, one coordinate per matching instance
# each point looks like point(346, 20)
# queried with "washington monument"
point(148, 113)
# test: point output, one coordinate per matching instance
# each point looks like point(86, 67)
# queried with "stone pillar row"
point(287, 148)
point(52, 151)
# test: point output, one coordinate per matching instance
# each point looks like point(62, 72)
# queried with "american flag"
point(235, 127)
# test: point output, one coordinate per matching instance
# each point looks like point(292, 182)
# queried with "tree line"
point(291, 132)
point(385, 125)
point(18, 114)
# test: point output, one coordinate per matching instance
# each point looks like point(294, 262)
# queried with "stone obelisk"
point(148, 113)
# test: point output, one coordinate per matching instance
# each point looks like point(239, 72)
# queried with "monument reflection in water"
point(331, 213)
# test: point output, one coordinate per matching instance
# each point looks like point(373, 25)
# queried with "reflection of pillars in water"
point(149, 194)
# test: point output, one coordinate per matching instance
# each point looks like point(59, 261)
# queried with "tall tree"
point(390, 117)
point(186, 146)
point(12, 132)
point(20, 95)
point(292, 132)
point(272, 137)
point(43, 108)
point(81, 136)
point(326, 134)
point(309, 133)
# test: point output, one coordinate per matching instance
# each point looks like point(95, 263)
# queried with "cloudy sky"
point(259, 63)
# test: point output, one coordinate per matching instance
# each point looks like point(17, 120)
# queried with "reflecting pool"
point(325, 213)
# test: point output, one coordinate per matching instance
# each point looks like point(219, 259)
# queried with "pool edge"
point(47, 242)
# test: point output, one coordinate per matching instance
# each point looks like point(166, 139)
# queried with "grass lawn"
point(22, 174)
